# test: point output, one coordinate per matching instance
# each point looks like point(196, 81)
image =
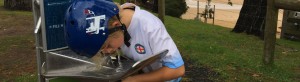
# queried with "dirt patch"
point(297, 70)
point(15, 25)
point(199, 73)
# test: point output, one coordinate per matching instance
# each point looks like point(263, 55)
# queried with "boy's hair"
point(111, 20)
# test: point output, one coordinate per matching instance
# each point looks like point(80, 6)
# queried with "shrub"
point(174, 8)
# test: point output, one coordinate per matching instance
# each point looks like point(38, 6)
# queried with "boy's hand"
point(129, 79)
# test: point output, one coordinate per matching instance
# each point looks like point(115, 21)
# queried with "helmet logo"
point(95, 26)
point(88, 12)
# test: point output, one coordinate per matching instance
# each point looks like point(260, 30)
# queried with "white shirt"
point(148, 37)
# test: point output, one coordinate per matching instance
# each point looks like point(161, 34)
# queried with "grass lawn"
point(236, 57)
point(17, 51)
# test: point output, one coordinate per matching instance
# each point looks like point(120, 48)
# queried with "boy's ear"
point(127, 5)
point(116, 23)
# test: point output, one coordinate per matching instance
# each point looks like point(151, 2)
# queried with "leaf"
point(255, 75)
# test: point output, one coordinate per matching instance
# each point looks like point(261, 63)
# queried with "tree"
point(174, 8)
point(18, 4)
point(252, 18)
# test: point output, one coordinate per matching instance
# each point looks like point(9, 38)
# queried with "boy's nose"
point(108, 51)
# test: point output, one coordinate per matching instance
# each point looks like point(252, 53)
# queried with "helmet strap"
point(126, 34)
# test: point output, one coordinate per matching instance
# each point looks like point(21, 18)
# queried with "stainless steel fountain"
point(54, 59)
point(65, 63)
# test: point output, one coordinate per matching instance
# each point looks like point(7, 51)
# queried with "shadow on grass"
point(199, 73)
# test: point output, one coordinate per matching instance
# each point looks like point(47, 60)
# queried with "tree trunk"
point(18, 4)
point(252, 18)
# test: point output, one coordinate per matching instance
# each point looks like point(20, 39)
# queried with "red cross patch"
point(140, 49)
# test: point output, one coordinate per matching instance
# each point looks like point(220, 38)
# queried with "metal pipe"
point(36, 2)
point(73, 58)
point(38, 25)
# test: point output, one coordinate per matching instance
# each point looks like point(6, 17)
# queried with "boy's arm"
point(160, 75)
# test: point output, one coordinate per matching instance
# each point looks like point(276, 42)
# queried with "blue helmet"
point(87, 25)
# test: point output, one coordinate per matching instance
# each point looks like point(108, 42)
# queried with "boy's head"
point(87, 26)
point(115, 38)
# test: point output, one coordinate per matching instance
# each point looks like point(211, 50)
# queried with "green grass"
point(117, 1)
point(1, 2)
point(26, 78)
point(8, 42)
point(238, 57)
point(65, 79)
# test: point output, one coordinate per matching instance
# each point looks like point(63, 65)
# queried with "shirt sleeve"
point(159, 40)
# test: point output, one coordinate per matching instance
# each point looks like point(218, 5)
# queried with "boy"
point(138, 34)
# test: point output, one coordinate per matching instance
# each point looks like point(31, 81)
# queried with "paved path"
point(193, 4)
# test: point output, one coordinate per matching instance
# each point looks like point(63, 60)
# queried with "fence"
point(270, 31)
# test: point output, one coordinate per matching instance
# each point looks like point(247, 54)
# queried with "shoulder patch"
point(140, 49)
